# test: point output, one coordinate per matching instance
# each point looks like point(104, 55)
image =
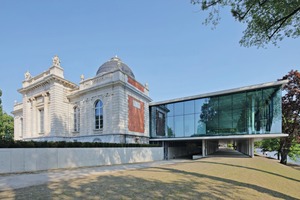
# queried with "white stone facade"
point(56, 109)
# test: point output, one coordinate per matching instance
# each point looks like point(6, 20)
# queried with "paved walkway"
point(226, 152)
point(15, 181)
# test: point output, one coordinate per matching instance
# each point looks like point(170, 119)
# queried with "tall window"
point(21, 126)
point(98, 115)
point(76, 119)
point(41, 120)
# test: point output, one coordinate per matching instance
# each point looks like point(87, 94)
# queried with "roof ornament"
point(27, 76)
point(82, 77)
point(115, 58)
point(56, 61)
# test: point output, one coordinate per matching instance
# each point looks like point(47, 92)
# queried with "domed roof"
point(114, 64)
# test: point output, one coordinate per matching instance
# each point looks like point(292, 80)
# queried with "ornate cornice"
point(48, 79)
point(113, 83)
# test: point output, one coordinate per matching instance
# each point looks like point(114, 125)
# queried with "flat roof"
point(254, 136)
point(222, 92)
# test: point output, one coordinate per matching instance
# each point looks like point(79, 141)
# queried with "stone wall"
point(35, 159)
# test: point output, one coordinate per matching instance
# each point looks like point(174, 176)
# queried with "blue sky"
point(163, 42)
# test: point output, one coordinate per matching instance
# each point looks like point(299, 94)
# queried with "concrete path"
point(15, 181)
point(226, 152)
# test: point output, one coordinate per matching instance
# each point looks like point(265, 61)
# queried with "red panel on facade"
point(136, 84)
point(136, 117)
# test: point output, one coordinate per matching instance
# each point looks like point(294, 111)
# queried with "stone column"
point(26, 117)
point(34, 121)
point(46, 114)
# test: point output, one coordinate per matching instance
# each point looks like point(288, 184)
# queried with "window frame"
point(76, 119)
point(98, 111)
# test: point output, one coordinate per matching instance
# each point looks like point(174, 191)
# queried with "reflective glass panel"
point(170, 127)
point(179, 129)
point(200, 125)
point(189, 107)
point(199, 103)
point(225, 114)
point(170, 110)
point(189, 125)
point(178, 108)
point(211, 113)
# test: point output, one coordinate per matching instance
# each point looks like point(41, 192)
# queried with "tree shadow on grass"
point(118, 187)
point(250, 168)
point(233, 183)
point(183, 185)
point(294, 166)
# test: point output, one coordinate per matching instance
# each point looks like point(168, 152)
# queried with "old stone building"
point(110, 107)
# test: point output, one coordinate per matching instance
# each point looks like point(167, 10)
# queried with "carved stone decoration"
point(56, 61)
point(82, 77)
point(27, 76)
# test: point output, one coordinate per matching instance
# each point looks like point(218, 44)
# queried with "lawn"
point(208, 178)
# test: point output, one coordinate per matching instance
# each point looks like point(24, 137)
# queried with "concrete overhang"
point(252, 136)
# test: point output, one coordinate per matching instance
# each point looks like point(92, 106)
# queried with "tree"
point(290, 114)
point(1, 112)
point(271, 145)
point(267, 21)
point(6, 124)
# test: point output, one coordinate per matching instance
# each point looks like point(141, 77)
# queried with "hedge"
point(63, 144)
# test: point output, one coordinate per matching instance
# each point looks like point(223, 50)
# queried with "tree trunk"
point(284, 155)
point(278, 155)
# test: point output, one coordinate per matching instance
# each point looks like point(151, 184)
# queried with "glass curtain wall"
point(251, 112)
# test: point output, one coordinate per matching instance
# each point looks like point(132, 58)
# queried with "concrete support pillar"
point(251, 147)
point(204, 152)
point(166, 150)
point(46, 114)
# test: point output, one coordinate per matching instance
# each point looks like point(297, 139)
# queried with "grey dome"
point(114, 64)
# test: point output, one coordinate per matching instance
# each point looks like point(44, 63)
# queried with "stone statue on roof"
point(56, 61)
point(27, 76)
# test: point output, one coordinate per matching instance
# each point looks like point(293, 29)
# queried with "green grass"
point(209, 178)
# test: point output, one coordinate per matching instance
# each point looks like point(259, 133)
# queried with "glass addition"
point(248, 112)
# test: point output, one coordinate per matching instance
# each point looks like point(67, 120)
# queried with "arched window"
point(76, 119)
point(98, 115)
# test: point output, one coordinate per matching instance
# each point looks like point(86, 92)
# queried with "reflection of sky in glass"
point(252, 112)
point(179, 130)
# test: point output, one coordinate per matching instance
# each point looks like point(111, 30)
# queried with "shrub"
point(63, 144)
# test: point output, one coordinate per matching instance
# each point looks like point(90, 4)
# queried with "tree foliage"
point(268, 21)
point(290, 114)
point(6, 124)
point(275, 144)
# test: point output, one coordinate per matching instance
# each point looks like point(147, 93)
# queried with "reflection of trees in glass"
point(241, 123)
point(170, 132)
point(201, 126)
point(209, 115)
point(160, 123)
point(208, 112)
